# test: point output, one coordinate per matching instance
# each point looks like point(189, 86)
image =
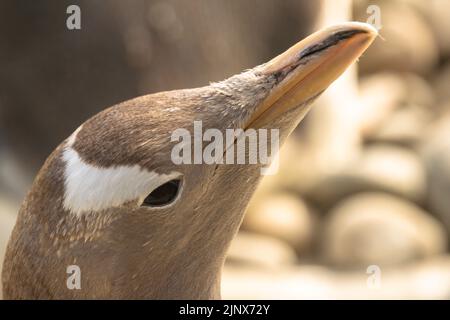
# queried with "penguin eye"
point(163, 195)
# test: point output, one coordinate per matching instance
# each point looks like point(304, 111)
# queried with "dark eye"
point(163, 195)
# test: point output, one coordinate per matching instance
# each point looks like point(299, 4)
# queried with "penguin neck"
point(176, 263)
point(186, 261)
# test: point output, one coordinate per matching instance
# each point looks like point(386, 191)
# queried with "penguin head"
point(148, 153)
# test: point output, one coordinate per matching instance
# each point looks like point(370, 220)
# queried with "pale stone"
point(429, 279)
point(380, 229)
point(380, 168)
point(283, 216)
point(383, 93)
point(261, 251)
point(407, 44)
point(8, 211)
point(436, 151)
point(403, 127)
point(441, 85)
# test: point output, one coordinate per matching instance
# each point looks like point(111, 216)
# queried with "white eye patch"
point(91, 188)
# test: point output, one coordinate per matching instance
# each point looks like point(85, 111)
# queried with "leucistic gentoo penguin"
point(110, 200)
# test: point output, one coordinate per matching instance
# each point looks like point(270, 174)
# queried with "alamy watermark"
point(73, 21)
point(374, 18)
point(73, 281)
point(374, 280)
point(239, 146)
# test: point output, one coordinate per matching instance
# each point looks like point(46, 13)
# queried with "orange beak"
point(310, 66)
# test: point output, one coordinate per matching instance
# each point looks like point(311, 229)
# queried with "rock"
point(331, 130)
point(404, 127)
point(283, 216)
point(436, 13)
point(436, 153)
point(380, 229)
point(418, 91)
point(409, 43)
point(440, 85)
point(375, 107)
point(260, 251)
point(398, 89)
point(429, 279)
point(380, 168)
point(295, 164)
point(14, 180)
point(303, 282)
point(8, 212)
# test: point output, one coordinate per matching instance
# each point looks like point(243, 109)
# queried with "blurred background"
point(360, 207)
